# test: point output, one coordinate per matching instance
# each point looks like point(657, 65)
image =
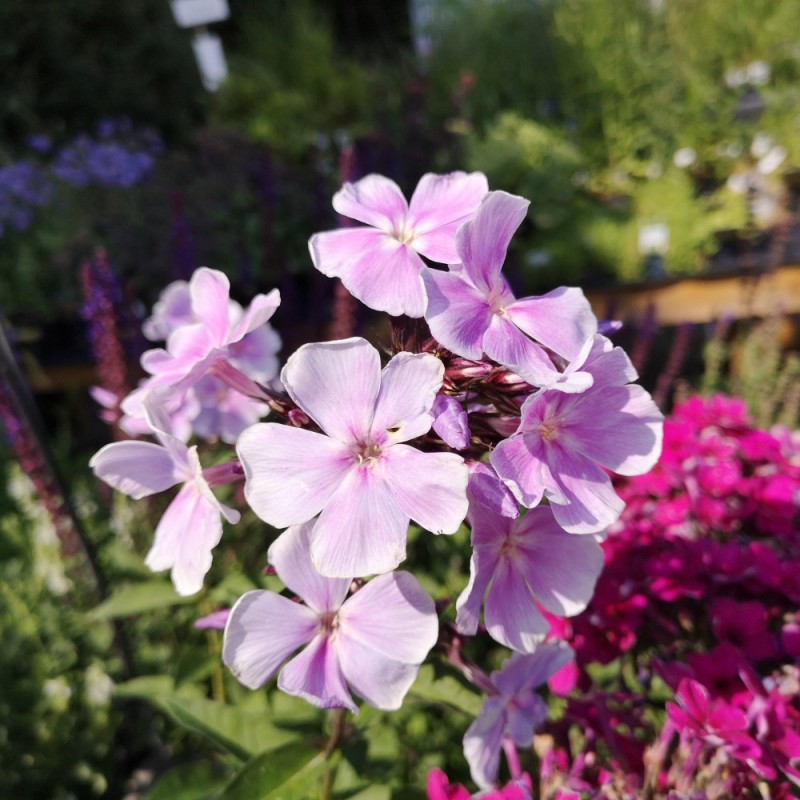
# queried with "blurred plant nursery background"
point(659, 143)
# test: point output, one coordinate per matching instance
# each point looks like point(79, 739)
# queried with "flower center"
point(328, 623)
point(404, 235)
point(367, 453)
point(548, 430)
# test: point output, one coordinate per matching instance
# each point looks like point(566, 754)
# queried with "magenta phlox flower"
point(215, 336)
point(380, 264)
point(514, 711)
point(191, 526)
point(357, 474)
point(471, 309)
point(745, 625)
point(518, 564)
point(564, 440)
point(372, 642)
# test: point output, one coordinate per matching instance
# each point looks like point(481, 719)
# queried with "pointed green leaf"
point(445, 691)
point(197, 781)
point(138, 598)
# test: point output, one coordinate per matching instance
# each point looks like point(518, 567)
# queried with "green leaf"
point(288, 773)
point(445, 691)
point(196, 781)
point(136, 599)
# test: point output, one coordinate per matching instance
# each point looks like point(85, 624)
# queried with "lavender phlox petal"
point(336, 384)
point(431, 488)
point(485, 488)
point(607, 327)
point(523, 672)
point(290, 473)
point(561, 569)
point(504, 343)
point(450, 421)
point(374, 200)
point(315, 674)
point(457, 313)
point(409, 383)
point(260, 310)
point(156, 416)
point(210, 290)
point(172, 309)
point(561, 320)
point(483, 242)
point(290, 555)
point(609, 365)
point(137, 469)
point(439, 205)
point(215, 621)
point(511, 615)
point(263, 630)
point(526, 714)
point(362, 529)
point(468, 606)
point(483, 740)
point(520, 463)
point(184, 538)
point(381, 681)
point(393, 616)
point(255, 353)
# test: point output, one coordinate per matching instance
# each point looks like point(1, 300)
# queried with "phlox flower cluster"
point(699, 596)
point(500, 412)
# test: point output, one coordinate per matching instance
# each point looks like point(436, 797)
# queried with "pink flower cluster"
point(504, 412)
point(700, 592)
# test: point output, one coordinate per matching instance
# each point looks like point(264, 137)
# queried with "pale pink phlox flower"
point(472, 311)
point(514, 711)
point(518, 564)
point(372, 642)
point(380, 264)
point(191, 526)
point(216, 336)
point(172, 310)
point(357, 474)
point(564, 440)
point(222, 411)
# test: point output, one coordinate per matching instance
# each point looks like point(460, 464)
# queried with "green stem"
point(335, 739)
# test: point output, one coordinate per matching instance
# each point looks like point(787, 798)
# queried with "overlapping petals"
point(372, 642)
point(380, 265)
point(357, 473)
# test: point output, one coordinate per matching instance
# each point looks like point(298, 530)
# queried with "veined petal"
point(518, 461)
point(431, 488)
point(374, 200)
point(381, 681)
point(187, 533)
point(450, 422)
point(262, 631)
point(482, 565)
point(261, 309)
point(409, 383)
point(560, 568)
point(393, 616)
point(483, 740)
point(290, 555)
point(457, 313)
point(316, 675)
point(609, 365)
point(511, 615)
point(483, 242)
point(290, 473)
point(521, 673)
point(210, 290)
point(336, 384)
point(507, 345)
point(137, 469)
point(561, 320)
point(362, 529)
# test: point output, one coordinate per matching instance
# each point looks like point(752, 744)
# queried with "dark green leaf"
point(196, 781)
point(445, 691)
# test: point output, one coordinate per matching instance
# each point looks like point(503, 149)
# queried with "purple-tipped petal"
point(457, 313)
point(209, 290)
point(336, 384)
point(393, 616)
point(381, 681)
point(290, 555)
point(431, 488)
point(316, 675)
point(561, 320)
point(511, 615)
point(362, 529)
point(290, 473)
point(409, 383)
point(187, 533)
point(263, 630)
point(560, 568)
point(483, 242)
point(483, 740)
point(137, 469)
point(374, 200)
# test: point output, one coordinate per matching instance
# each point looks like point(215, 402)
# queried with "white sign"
point(193, 13)
point(210, 59)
